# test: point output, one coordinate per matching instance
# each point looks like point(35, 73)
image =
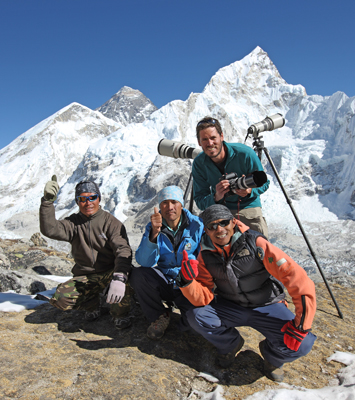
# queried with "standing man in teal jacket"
point(172, 230)
point(219, 158)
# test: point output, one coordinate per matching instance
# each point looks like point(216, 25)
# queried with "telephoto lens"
point(268, 124)
point(169, 148)
point(253, 180)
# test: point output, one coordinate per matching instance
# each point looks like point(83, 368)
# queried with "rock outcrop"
point(23, 265)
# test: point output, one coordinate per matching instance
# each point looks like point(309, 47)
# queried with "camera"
point(267, 124)
point(253, 180)
point(173, 149)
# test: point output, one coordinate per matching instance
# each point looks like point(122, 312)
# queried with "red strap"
point(238, 209)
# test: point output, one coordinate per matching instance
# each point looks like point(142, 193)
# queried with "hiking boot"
point(102, 309)
point(274, 373)
point(225, 360)
point(122, 322)
point(92, 315)
point(157, 328)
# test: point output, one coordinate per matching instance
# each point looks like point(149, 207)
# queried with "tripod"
point(259, 147)
point(189, 202)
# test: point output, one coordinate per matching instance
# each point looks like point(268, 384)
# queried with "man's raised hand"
point(157, 222)
point(51, 189)
point(189, 268)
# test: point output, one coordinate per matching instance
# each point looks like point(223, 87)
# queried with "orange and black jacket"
point(254, 281)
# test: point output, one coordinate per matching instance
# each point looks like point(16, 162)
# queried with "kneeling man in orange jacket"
point(238, 280)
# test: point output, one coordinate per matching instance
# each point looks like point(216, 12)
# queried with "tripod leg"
point(189, 191)
point(289, 202)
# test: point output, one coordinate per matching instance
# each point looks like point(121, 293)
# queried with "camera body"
point(253, 180)
point(232, 178)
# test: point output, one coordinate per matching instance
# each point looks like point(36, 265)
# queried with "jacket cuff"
point(180, 281)
point(120, 276)
point(299, 327)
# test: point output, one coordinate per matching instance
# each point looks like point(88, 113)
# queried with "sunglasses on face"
point(223, 223)
point(84, 199)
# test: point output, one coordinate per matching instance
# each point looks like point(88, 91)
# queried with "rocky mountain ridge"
point(127, 106)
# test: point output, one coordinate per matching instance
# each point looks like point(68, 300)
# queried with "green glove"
point(51, 189)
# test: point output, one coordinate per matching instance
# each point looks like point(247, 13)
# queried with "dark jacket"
point(240, 276)
point(99, 242)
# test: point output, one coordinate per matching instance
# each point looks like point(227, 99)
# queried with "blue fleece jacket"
point(162, 255)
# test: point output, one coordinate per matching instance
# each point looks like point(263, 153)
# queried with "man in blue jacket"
point(170, 231)
point(219, 157)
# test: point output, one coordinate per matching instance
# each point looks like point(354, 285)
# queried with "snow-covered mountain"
point(128, 105)
point(313, 153)
point(56, 144)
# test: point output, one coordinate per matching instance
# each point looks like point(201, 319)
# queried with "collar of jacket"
point(99, 212)
point(208, 245)
point(184, 222)
point(230, 153)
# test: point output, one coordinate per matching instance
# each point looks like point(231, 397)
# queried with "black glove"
point(51, 189)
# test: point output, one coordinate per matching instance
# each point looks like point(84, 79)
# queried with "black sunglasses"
point(214, 226)
point(207, 121)
point(84, 199)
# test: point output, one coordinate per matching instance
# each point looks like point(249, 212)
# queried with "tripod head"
point(267, 124)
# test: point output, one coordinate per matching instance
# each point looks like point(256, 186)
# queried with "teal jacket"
point(242, 160)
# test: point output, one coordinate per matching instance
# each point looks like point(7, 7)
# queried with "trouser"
point(252, 217)
point(152, 288)
point(216, 322)
point(83, 293)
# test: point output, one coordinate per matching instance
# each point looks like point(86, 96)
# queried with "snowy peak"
point(72, 119)
point(127, 106)
point(256, 70)
point(54, 146)
point(252, 83)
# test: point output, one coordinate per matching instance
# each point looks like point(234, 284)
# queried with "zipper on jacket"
point(224, 257)
point(236, 251)
point(303, 298)
point(164, 234)
point(90, 243)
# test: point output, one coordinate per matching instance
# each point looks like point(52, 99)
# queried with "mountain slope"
point(313, 153)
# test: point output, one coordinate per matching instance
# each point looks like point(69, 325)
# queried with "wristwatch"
point(120, 276)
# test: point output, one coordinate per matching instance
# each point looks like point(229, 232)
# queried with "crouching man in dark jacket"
point(101, 252)
point(248, 274)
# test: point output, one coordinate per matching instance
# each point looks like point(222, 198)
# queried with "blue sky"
point(55, 52)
